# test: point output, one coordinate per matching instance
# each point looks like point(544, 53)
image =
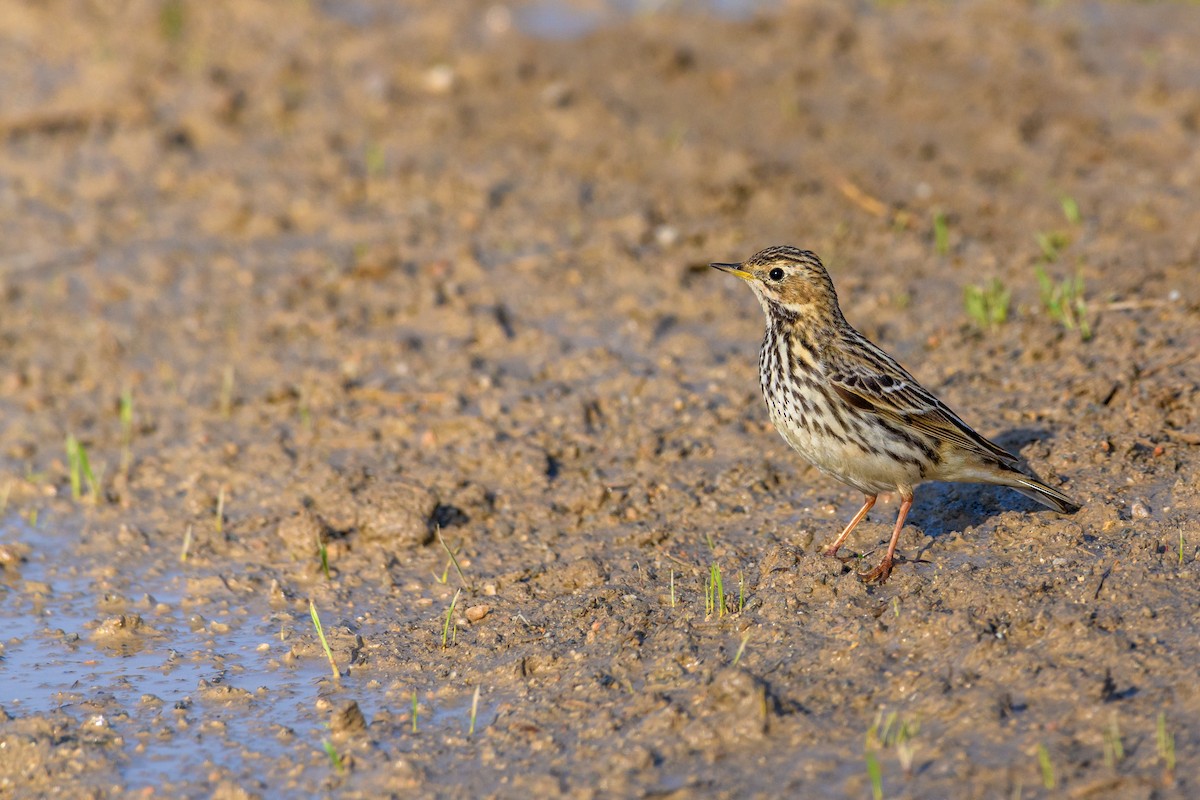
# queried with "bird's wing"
point(885, 388)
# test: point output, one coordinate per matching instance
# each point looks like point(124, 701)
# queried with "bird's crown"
point(788, 281)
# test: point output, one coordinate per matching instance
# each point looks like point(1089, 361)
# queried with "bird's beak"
point(734, 269)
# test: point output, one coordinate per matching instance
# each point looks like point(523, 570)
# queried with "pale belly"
point(853, 451)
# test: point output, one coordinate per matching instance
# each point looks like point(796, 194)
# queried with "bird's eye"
point(775, 274)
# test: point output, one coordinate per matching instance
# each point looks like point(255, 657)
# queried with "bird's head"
point(788, 282)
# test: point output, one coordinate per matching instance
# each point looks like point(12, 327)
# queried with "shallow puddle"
point(562, 19)
point(155, 673)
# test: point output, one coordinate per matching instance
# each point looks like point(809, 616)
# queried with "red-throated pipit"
point(851, 410)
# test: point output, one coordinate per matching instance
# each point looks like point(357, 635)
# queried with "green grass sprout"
point(874, 774)
point(125, 415)
point(987, 304)
point(1051, 244)
point(474, 710)
point(375, 159)
point(187, 545)
point(335, 758)
point(1165, 741)
point(171, 20)
point(741, 649)
point(1064, 302)
point(80, 469)
point(225, 403)
point(453, 560)
point(898, 733)
point(714, 593)
point(1114, 750)
point(895, 732)
point(941, 234)
point(312, 610)
point(219, 517)
point(1043, 757)
point(323, 554)
point(1070, 209)
point(447, 636)
point(906, 751)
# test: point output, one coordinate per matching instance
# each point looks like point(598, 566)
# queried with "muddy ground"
point(346, 275)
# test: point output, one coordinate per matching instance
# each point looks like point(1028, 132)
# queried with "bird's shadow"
point(942, 508)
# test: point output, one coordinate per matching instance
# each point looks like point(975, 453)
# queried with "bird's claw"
point(881, 573)
point(832, 552)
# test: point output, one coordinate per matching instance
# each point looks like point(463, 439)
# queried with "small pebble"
point(498, 20)
point(1139, 509)
point(476, 613)
point(440, 79)
point(10, 554)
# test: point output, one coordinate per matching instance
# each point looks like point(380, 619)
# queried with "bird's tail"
point(1036, 490)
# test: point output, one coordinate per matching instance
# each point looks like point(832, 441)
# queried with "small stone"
point(440, 79)
point(476, 613)
point(497, 20)
point(12, 554)
point(1140, 509)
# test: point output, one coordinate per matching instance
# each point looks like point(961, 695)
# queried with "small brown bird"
point(851, 410)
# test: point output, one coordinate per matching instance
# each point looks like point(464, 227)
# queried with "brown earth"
point(367, 272)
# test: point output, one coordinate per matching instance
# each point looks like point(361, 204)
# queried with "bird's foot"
point(881, 573)
point(832, 552)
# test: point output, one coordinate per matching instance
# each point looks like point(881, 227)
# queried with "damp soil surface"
point(323, 293)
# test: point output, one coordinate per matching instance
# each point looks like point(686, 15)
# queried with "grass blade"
point(474, 710)
point(312, 610)
point(449, 617)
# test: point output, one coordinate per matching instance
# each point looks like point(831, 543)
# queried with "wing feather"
point(886, 389)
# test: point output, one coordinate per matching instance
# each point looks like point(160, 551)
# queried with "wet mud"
point(326, 293)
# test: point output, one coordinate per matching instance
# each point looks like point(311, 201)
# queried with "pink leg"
point(832, 550)
point(880, 574)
